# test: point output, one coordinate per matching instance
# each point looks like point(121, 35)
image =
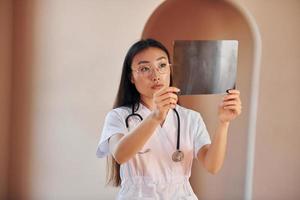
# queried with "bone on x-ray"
point(205, 67)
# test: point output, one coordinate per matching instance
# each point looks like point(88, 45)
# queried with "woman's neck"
point(148, 102)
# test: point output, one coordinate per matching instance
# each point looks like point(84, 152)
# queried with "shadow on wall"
point(20, 139)
point(216, 20)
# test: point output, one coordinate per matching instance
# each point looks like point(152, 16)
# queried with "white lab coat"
point(151, 173)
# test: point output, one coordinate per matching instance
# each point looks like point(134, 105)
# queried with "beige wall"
point(66, 68)
point(277, 160)
point(67, 63)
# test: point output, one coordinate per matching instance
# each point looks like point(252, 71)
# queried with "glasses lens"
point(147, 70)
point(163, 68)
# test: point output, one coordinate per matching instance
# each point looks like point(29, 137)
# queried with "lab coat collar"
point(144, 112)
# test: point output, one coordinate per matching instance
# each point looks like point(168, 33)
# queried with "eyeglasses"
point(148, 70)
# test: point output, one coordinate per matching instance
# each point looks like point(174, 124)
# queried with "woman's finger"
point(233, 91)
point(233, 108)
point(166, 102)
point(231, 96)
point(166, 105)
point(231, 102)
point(165, 96)
point(166, 90)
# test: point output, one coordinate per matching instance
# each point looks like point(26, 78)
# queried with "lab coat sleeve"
point(201, 136)
point(113, 124)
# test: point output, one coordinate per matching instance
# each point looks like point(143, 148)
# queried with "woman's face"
point(150, 71)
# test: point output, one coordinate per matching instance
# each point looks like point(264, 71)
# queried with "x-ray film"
point(205, 67)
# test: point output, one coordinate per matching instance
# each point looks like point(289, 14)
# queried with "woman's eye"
point(144, 69)
point(162, 65)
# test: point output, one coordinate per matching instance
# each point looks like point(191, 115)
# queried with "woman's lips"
point(155, 87)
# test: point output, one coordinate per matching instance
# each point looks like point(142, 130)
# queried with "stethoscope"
point(178, 155)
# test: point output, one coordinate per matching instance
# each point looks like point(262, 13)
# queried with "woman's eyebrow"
point(143, 61)
point(162, 57)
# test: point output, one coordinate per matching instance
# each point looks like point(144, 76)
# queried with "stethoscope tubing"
point(141, 118)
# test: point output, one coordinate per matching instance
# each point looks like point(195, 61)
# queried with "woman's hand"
point(163, 100)
point(230, 107)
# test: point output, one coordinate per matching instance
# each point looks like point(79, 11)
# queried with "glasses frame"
point(138, 71)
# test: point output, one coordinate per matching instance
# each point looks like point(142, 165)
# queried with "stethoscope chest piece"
point(177, 156)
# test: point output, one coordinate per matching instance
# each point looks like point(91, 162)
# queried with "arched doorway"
point(218, 20)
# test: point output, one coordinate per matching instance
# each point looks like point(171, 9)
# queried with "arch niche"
point(218, 20)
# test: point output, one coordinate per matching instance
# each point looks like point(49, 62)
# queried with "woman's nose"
point(155, 75)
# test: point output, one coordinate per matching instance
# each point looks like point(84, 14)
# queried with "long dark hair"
point(129, 96)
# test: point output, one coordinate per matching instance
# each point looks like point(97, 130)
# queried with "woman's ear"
point(131, 79)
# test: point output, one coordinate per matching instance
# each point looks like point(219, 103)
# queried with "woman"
point(142, 146)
